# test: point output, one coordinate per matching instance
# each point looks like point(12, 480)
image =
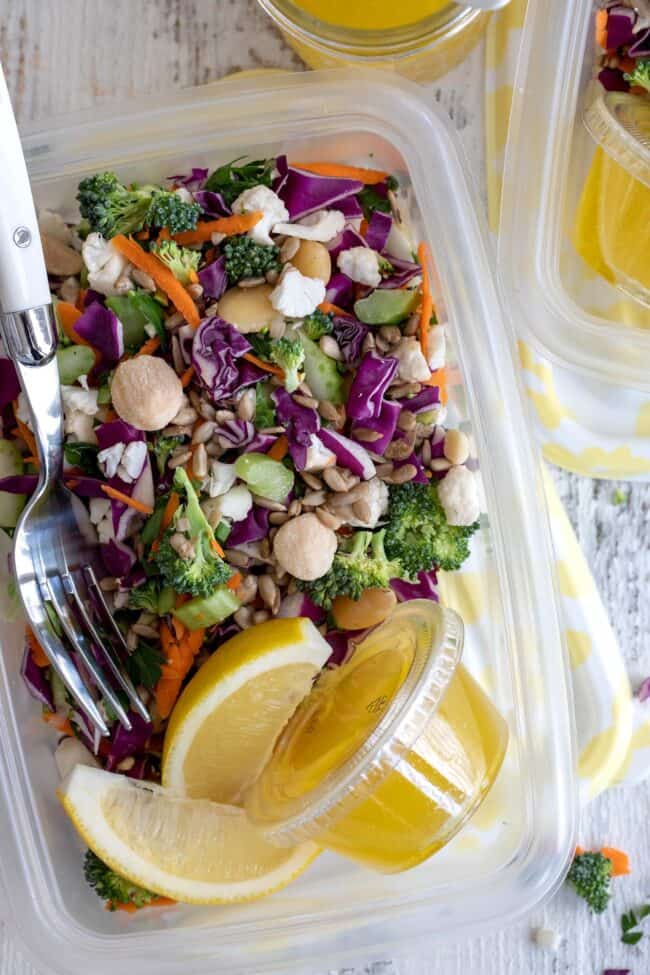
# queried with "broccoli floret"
point(317, 324)
point(418, 534)
point(193, 567)
point(162, 449)
point(359, 564)
point(169, 210)
point(289, 355)
point(371, 200)
point(264, 408)
point(230, 180)
point(110, 208)
point(111, 887)
point(641, 74)
point(150, 597)
point(590, 874)
point(181, 261)
point(246, 259)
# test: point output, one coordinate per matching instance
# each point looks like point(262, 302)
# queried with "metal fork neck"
point(30, 334)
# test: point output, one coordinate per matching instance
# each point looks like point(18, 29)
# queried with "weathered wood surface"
point(64, 55)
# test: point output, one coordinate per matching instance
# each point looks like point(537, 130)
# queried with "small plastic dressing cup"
point(391, 752)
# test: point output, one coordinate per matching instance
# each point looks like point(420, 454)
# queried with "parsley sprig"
point(631, 934)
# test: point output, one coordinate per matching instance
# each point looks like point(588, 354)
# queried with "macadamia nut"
point(146, 392)
point(304, 547)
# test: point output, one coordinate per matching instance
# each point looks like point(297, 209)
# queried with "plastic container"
point(565, 139)
point(421, 51)
point(515, 850)
point(391, 753)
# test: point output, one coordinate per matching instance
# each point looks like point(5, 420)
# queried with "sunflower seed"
point(407, 420)
point(361, 510)
point(311, 480)
point(108, 584)
point(312, 499)
point(243, 617)
point(200, 461)
point(238, 559)
point(329, 519)
point(246, 591)
point(203, 432)
point(261, 616)
point(268, 504)
point(308, 401)
point(278, 517)
point(440, 464)
point(246, 405)
point(179, 459)
point(367, 436)
point(402, 474)
point(270, 593)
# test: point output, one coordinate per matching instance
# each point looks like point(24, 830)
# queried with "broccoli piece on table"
point(111, 887)
point(181, 261)
point(246, 259)
point(111, 208)
point(289, 354)
point(230, 179)
point(590, 874)
point(186, 556)
point(359, 564)
point(418, 534)
point(641, 74)
point(317, 324)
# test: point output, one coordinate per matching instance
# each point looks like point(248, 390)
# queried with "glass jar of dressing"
point(391, 752)
point(420, 39)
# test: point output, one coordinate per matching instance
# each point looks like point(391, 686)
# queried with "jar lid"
point(620, 124)
point(357, 723)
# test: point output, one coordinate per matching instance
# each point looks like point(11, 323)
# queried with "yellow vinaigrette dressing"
point(371, 14)
point(391, 752)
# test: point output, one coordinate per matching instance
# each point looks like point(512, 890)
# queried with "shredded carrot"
point(57, 721)
point(601, 28)
point(142, 235)
point(116, 495)
point(620, 860)
point(170, 510)
point(149, 347)
point(368, 176)
point(218, 549)
point(440, 379)
point(427, 300)
point(329, 309)
point(179, 646)
point(162, 276)
point(189, 466)
point(68, 316)
point(238, 223)
point(81, 297)
point(235, 581)
point(130, 908)
point(363, 227)
point(39, 656)
point(279, 448)
point(193, 276)
point(31, 460)
point(266, 366)
point(186, 378)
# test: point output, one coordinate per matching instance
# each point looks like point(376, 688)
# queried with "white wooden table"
point(64, 55)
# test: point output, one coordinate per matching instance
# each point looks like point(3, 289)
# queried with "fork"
point(56, 552)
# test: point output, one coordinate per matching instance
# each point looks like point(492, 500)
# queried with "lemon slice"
point(194, 851)
point(226, 721)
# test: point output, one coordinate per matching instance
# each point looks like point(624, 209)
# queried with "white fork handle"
point(23, 278)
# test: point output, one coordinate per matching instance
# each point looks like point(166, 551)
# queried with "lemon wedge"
point(226, 721)
point(191, 850)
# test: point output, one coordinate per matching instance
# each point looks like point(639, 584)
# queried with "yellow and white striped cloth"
point(613, 729)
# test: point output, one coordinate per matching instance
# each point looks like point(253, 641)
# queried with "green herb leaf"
point(144, 665)
point(632, 937)
point(230, 179)
point(262, 344)
point(84, 456)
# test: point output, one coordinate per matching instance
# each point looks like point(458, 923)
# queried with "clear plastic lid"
point(358, 722)
point(620, 123)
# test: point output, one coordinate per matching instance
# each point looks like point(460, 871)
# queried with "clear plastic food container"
point(574, 240)
point(514, 851)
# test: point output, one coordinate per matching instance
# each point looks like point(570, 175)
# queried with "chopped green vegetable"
point(371, 200)
point(590, 874)
point(74, 361)
point(230, 179)
point(144, 665)
point(264, 476)
point(359, 564)
point(641, 74)
point(264, 407)
point(181, 261)
point(112, 887)
point(162, 450)
point(246, 259)
point(289, 354)
point(205, 611)
point(11, 465)
point(387, 307)
point(137, 310)
point(152, 598)
point(317, 324)
point(321, 373)
point(170, 211)
point(262, 343)
point(110, 208)
point(83, 456)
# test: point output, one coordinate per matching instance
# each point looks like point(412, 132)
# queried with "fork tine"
point(109, 620)
point(59, 657)
point(55, 593)
point(111, 656)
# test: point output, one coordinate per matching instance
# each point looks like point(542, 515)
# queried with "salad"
point(623, 33)
point(254, 387)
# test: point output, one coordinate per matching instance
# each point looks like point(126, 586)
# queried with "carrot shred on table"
point(162, 276)
point(601, 28)
point(149, 347)
point(261, 364)
point(179, 646)
point(620, 860)
point(186, 378)
point(39, 656)
point(279, 448)
point(238, 223)
point(368, 176)
point(116, 495)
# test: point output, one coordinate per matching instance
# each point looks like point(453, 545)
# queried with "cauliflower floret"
point(319, 457)
point(79, 408)
point(321, 226)
point(236, 503)
point(53, 225)
point(109, 459)
point(107, 268)
point(436, 347)
point(79, 426)
point(132, 461)
point(413, 367)
point(184, 194)
point(361, 264)
point(458, 494)
point(102, 518)
point(377, 500)
point(220, 479)
point(296, 295)
point(264, 200)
